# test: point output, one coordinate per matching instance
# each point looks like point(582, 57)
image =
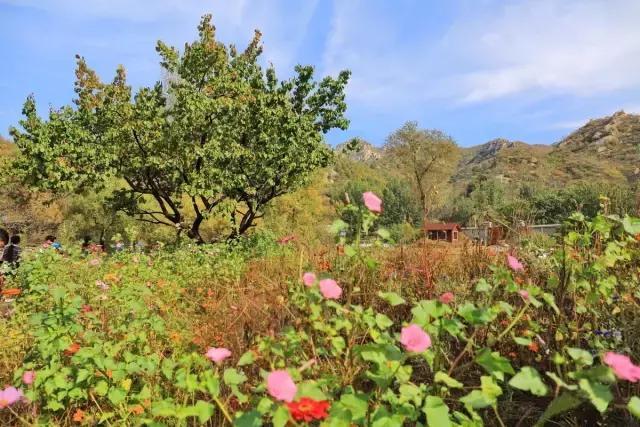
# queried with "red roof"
point(439, 226)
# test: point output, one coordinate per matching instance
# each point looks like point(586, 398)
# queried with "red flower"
point(307, 409)
point(86, 308)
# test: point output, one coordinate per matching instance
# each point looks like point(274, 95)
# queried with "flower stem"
point(223, 408)
point(513, 322)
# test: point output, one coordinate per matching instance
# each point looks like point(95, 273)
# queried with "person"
point(11, 252)
point(50, 242)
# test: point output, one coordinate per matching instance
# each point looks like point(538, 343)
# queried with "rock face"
point(605, 135)
point(614, 140)
point(359, 150)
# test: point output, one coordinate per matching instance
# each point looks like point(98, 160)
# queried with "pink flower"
point(280, 386)
point(28, 377)
point(524, 294)
point(514, 264)
point(446, 298)
point(414, 339)
point(217, 355)
point(94, 261)
point(308, 279)
point(330, 289)
point(9, 396)
point(372, 202)
point(622, 366)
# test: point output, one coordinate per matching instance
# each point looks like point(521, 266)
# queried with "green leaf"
point(528, 379)
point(212, 383)
point(392, 298)
point(551, 301)
point(437, 412)
point(249, 419)
point(634, 406)
point(280, 417)
point(357, 404)
point(232, 376)
point(203, 410)
point(563, 403)
point(310, 389)
point(598, 394)
point(102, 388)
point(475, 315)
point(117, 395)
point(350, 251)
point(247, 358)
point(631, 225)
point(483, 286)
point(337, 226)
point(522, 341)
point(383, 321)
point(442, 377)
point(560, 382)
point(582, 357)
point(384, 233)
point(494, 363)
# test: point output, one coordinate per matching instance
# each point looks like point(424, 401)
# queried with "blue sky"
point(530, 70)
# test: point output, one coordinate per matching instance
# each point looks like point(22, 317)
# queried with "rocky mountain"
point(614, 139)
point(359, 150)
point(605, 149)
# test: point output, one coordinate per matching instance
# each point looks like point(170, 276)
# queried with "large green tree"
point(426, 157)
point(219, 131)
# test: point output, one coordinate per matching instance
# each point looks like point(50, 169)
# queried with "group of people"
point(9, 248)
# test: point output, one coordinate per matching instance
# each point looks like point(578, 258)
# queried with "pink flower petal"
point(217, 355)
point(414, 339)
point(514, 264)
point(308, 279)
point(622, 366)
point(372, 202)
point(524, 294)
point(330, 289)
point(28, 377)
point(9, 396)
point(280, 386)
point(446, 298)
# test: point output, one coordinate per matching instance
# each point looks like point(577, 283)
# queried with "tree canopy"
point(426, 157)
point(219, 132)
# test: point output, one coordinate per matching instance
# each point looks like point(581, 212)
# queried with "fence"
point(491, 235)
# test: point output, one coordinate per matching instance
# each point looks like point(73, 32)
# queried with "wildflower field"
point(285, 334)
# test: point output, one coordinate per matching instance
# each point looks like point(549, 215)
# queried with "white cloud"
point(492, 50)
point(282, 22)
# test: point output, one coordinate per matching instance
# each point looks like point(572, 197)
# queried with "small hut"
point(442, 231)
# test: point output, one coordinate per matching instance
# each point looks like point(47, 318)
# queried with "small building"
point(442, 231)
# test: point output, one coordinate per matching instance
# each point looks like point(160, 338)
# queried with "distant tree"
point(220, 129)
point(427, 158)
point(400, 206)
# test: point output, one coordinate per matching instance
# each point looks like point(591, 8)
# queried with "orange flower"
point(534, 347)
point(638, 237)
point(78, 416)
point(11, 292)
point(72, 349)
point(136, 409)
